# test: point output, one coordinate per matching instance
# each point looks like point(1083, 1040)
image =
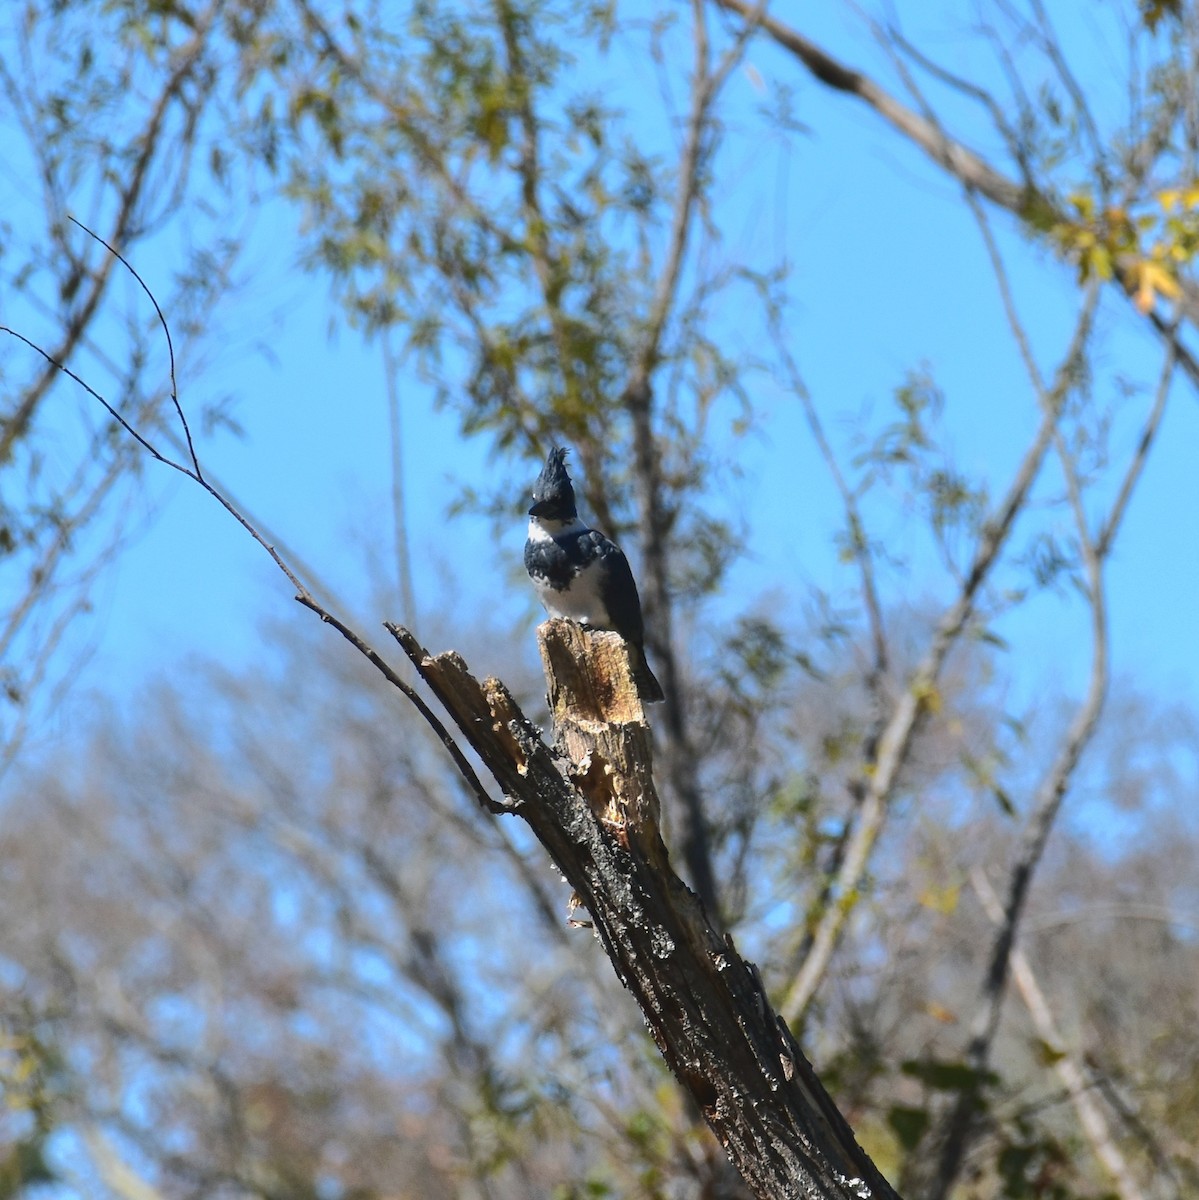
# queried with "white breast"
point(581, 601)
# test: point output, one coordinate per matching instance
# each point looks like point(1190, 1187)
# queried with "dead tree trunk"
point(591, 802)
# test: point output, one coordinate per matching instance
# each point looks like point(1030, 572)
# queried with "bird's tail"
point(648, 687)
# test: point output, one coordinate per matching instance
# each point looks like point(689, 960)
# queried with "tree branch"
point(957, 1129)
point(882, 774)
point(964, 164)
point(17, 423)
point(591, 802)
point(1090, 1116)
point(638, 399)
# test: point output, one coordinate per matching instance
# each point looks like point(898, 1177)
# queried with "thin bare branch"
point(1069, 1070)
point(1019, 333)
point(967, 87)
point(383, 667)
point(166, 332)
point(1110, 527)
point(859, 543)
point(969, 167)
point(882, 775)
point(148, 143)
point(957, 1129)
point(302, 594)
point(112, 412)
point(966, 165)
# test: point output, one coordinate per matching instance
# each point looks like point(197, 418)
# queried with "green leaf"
point(1004, 801)
point(1047, 1054)
point(908, 1124)
point(949, 1076)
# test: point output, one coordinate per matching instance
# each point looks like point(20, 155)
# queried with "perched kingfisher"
point(579, 573)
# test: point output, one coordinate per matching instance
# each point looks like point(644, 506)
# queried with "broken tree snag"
point(589, 673)
point(600, 727)
point(594, 810)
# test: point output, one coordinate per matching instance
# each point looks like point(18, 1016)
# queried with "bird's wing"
point(618, 589)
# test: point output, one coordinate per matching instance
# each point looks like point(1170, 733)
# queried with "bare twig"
point(166, 332)
point(1110, 527)
point(957, 1129)
point(966, 87)
point(859, 542)
point(1069, 1070)
point(963, 163)
point(1015, 325)
point(148, 143)
point(192, 471)
point(380, 664)
point(678, 756)
point(969, 167)
point(896, 741)
point(112, 412)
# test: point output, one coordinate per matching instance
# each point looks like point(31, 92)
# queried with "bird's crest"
point(553, 493)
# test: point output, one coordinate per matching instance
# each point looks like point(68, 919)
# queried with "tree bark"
point(590, 800)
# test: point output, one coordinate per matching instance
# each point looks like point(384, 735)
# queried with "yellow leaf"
point(926, 692)
point(1152, 280)
point(1084, 204)
point(1101, 262)
point(941, 899)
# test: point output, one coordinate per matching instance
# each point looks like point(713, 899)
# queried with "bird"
point(580, 574)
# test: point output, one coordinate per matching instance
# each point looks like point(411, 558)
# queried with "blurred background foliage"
point(257, 939)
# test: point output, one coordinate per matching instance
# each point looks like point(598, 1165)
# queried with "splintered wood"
point(600, 724)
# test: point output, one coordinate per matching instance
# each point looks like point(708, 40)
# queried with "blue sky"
point(889, 275)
